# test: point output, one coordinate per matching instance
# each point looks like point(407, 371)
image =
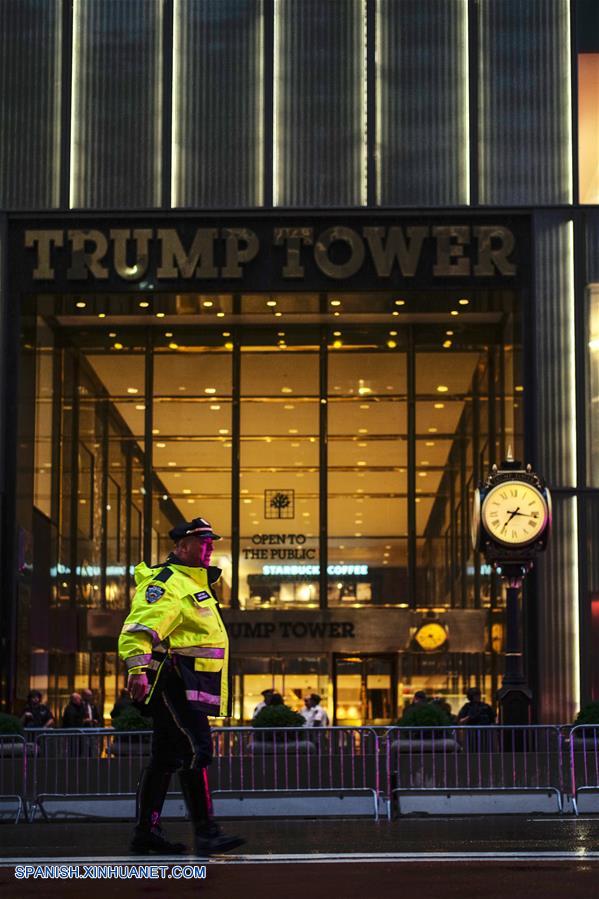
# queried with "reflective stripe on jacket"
point(175, 612)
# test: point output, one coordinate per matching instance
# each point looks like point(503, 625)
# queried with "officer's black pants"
point(181, 735)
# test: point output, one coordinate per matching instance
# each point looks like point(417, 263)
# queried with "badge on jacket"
point(154, 592)
point(203, 594)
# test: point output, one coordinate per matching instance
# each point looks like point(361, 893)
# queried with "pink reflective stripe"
point(135, 661)
point(199, 652)
point(131, 628)
point(199, 696)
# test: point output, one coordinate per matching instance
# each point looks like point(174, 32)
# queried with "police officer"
point(176, 650)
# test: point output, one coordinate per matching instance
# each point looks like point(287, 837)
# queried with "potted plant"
point(10, 726)
point(588, 715)
point(418, 723)
point(129, 721)
point(271, 721)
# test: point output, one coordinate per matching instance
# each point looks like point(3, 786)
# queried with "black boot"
point(209, 838)
point(151, 793)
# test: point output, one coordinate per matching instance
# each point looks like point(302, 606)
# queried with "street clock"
point(431, 636)
point(511, 515)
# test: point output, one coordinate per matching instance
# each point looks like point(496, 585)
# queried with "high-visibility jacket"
point(175, 613)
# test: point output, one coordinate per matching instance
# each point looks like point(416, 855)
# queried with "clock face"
point(431, 636)
point(514, 513)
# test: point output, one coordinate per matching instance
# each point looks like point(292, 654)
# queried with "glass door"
point(364, 689)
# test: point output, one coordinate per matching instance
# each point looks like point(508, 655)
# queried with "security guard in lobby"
point(176, 650)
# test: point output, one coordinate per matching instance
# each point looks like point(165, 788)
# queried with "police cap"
point(197, 527)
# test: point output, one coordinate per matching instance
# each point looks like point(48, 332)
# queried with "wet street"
point(487, 856)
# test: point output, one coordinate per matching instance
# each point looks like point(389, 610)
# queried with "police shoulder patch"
point(154, 592)
point(203, 594)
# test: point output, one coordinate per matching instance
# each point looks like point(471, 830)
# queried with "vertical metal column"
point(74, 512)
point(268, 111)
point(65, 105)
point(104, 500)
point(148, 447)
point(411, 473)
point(235, 457)
point(323, 473)
point(167, 104)
point(371, 103)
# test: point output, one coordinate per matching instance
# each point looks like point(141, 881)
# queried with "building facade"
point(307, 269)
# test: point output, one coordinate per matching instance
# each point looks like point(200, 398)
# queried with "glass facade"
point(337, 460)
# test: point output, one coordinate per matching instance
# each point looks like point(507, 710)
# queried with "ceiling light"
point(132, 390)
point(391, 344)
point(191, 501)
point(271, 302)
point(160, 315)
point(112, 333)
point(220, 314)
point(336, 333)
point(296, 445)
point(164, 496)
point(80, 304)
point(432, 430)
point(228, 346)
point(446, 344)
point(247, 501)
point(442, 388)
point(171, 464)
point(168, 333)
point(400, 302)
point(335, 302)
point(144, 304)
point(293, 430)
point(519, 388)
point(360, 490)
point(362, 430)
point(288, 406)
point(337, 344)
point(362, 444)
point(364, 406)
point(449, 333)
point(223, 430)
point(209, 389)
point(161, 445)
point(208, 304)
point(140, 407)
point(155, 430)
point(454, 312)
point(101, 315)
point(429, 443)
point(361, 463)
point(439, 405)
point(392, 333)
point(463, 302)
point(186, 490)
point(173, 346)
point(118, 346)
point(278, 314)
point(280, 333)
point(306, 514)
point(422, 474)
point(357, 534)
point(286, 390)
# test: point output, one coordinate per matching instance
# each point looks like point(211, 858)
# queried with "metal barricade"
point(583, 742)
point(469, 760)
point(316, 762)
point(14, 764)
point(78, 769)
point(74, 767)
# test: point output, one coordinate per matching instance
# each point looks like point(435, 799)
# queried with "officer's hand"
point(138, 686)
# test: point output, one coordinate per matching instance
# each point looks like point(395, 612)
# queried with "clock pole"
point(511, 525)
point(515, 696)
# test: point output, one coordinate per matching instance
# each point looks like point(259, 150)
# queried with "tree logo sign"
point(279, 503)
